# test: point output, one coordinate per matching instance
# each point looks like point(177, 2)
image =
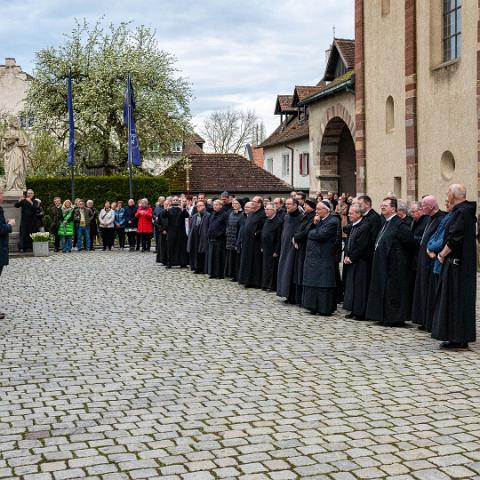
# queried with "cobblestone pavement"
point(114, 368)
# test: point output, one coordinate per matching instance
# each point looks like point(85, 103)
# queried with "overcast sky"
point(237, 54)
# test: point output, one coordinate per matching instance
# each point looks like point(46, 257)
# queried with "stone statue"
point(16, 157)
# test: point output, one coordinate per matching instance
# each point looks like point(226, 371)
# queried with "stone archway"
point(337, 168)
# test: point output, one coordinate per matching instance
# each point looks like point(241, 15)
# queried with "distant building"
point(14, 84)
point(313, 147)
point(417, 96)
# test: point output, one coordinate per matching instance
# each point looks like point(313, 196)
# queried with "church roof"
point(214, 173)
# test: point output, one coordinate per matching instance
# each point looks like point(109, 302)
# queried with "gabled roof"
point(215, 173)
point(294, 130)
point(344, 83)
point(342, 50)
point(302, 92)
point(284, 104)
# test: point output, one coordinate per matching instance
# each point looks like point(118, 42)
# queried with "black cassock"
point(197, 245)
point(271, 241)
point(28, 224)
point(425, 281)
point(388, 298)
point(300, 238)
point(286, 262)
point(356, 275)
point(250, 270)
point(454, 317)
point(235, 221)
point(176, 241)
point(217, 225)
point(417, 227)
point(162, 226)
point(319, 279)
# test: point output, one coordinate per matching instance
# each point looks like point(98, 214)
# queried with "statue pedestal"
point(9, 199)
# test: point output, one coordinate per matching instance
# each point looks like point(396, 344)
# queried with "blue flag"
point(129, 120)
point(71, 127)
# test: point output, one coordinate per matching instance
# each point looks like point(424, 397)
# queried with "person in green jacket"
point(65, 230)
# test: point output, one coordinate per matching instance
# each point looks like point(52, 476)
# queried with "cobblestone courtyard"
point(114, 368)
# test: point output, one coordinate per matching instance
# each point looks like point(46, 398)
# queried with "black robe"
point(286, 262)
point(425, 282)
point(162, 221)
point(454, 317)
point(176, 241)
point(374, 221)
point(388, 298)
point(29, 222)
point(197, 245)
point(356, 275)
point(250, 271)
point(271, 242)
point(300, 238)
point(319, 278)
point(217, 225)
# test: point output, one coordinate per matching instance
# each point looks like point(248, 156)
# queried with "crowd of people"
point(414, 263)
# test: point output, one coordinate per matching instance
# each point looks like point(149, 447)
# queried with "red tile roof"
point(347, 51)
point(294, 130)
point(302, 92)
point(214, 173)
point(284, 104)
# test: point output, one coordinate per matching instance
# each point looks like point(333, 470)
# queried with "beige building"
point(13, 90)
point(417, 69)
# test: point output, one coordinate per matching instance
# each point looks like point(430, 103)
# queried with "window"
point(452, 29)
point(304, 160)
point(269, 165)
point(385, 7)
point(390, 115)
point(447, 165)
point(177, 147)
point(285, 164)
point(397, 186)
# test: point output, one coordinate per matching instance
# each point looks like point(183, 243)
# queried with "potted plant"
point(40, 244)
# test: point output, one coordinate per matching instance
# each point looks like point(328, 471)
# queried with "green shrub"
point(98, 189)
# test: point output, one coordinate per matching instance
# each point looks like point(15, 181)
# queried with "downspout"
point(291, 169)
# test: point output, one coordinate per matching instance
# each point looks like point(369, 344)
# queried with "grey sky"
point(237, 54)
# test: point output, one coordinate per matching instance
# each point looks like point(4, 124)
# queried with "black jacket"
point(5, 230)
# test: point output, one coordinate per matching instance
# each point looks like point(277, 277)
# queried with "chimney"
point(10, 62)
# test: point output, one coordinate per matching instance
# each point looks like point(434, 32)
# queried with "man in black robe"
point(271, 241)
point(454, 316)
point(280, 206)
point(6, 227)
point(162, 222)
point(300, 244)
point(156, 215)
point(388, 299)
point(356, 265)
point(31, 210)
point(250, 271)
point(286, 262)
point(372, 218)
point(217, 226)
point(226, 198)
point(319, 280)
point(57, 218)
point(176, 238)
point(425, 282)
point(197, 245)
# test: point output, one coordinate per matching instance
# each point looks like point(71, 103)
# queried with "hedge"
point(98, 189)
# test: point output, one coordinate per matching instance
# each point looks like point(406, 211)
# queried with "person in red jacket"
point(145, 226)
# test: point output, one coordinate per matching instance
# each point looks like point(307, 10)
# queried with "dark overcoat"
point(197, 246)
point(301, 240)
point(217, 225)
point(5, 230)
point(271, 244)
point(176, 241)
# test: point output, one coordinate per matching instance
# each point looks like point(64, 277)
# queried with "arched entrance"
point(337, 158)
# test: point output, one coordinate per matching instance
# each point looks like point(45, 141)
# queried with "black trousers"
point(108, 237)
point(56, 241)
point(121, 237)
point(132, 240)
point(146, 239)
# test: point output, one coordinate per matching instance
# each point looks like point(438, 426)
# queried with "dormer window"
point(177, 147)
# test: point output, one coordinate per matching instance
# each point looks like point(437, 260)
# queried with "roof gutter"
point(344, 86)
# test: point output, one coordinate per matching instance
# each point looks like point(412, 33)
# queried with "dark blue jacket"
point(217, 225)
point(129, 215)
point(5, 230)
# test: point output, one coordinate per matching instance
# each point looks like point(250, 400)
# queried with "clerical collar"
point(357, 222)
point(366, 213)
point(388, 219)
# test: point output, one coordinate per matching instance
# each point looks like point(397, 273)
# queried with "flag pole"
point(71, 142)
point(129, 107)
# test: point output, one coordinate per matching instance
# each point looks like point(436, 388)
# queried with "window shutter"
point(301, 164)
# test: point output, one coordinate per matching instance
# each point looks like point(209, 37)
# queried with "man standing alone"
point(5, 230)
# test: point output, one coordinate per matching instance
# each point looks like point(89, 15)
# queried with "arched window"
point(385, 7)
point(390, 115)
point(447, 165)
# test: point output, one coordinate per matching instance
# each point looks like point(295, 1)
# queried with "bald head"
point(429, 205)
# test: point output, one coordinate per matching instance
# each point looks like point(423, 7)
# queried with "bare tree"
point(228, 131)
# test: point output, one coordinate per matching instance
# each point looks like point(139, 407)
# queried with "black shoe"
point(392, 325)
point(359, 318)
point(104, 249)
point(350, 316)
point(212, 276)
point(2, 316)
point(168, 266)
point(451, 345)
point(421, 327)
